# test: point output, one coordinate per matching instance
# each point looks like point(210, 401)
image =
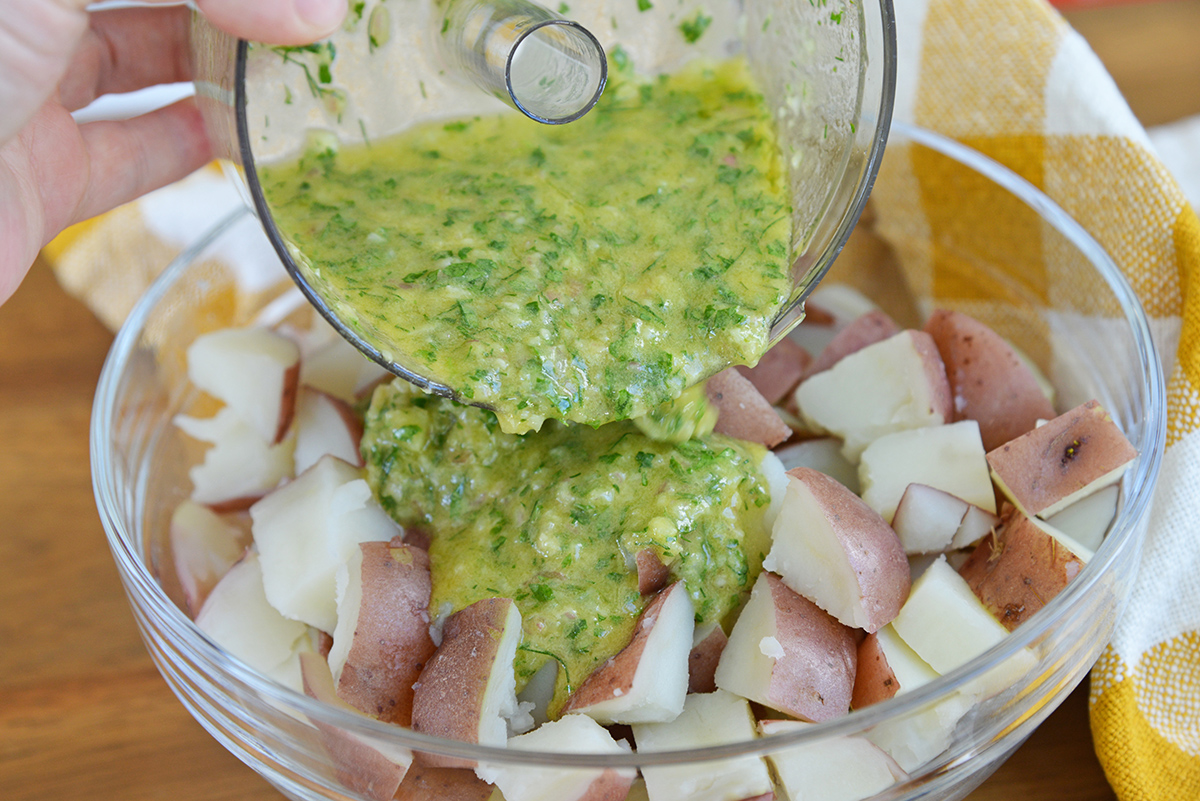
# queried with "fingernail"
point(323, 15)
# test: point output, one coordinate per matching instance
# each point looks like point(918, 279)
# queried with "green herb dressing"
point(587, 272)
point(553, 519)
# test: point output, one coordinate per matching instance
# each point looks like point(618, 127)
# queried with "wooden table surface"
point(84, 714)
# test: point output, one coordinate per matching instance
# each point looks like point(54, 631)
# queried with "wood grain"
point(84, 714)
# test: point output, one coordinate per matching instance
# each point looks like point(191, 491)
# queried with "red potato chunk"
point(931, 520)
point(652, 574)
point(425, 783)
point(742, 412)
point(569, 734)
point(646, 681)
point(254, 371)
point(833, 549)
point(708, 643)
point(889, 386)
point(778, 371)
point(831, 769)
point(467, 690)
point(325, 425)
point(867, 329)
point(788, 654)
point(1070, 457)
point(307, 529)
point(707, 719)
point(886, 668)
point(240, 467)
point(203, 546)
point(988, 381)
point(382, 640)
point(1021, 567)
point(371, 769)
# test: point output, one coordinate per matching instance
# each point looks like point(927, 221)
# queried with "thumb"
point(37, 38)
point(282, 22)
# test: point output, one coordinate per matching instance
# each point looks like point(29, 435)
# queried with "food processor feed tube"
point(550, 69)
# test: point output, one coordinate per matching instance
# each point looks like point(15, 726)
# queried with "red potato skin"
point(391, 642)
point(935, 371)
point(609, 786)
point(874, 680)
point(287, 409)
point(1018, 569)
point(239, 504)
point(778, 371)
point(427, 783)
point(743, 413)
point(652, 574)
point(988, 382)
point(702, 662)
point(1061, 457)
point(615, 675)
point(358, 766)
point(814, 679)
point(448, 696)
point(873, 550)
point(872, 327)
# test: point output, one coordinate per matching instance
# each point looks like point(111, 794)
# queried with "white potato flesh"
point(950, 458)
point(1086, 521)
point(947, 626)
point(976, 524)
point(833, 549)
point(254, 371)
point(203, 546)
point(927, 518)
point(240, 467)
point(325, 425)
point(830, 769)
point(890, 386)
point(238, 618)
point(570, 734)
point(823, 454)
point(338, 368)
point(919, 736)
point(777, 480)
point(707, 719)
point(307, 529)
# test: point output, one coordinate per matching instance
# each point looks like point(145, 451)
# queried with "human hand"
point(55, 58)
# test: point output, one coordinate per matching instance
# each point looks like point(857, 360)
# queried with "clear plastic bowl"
point(139, 466)
point(827, 71)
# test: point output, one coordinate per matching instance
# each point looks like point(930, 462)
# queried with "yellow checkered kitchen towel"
point(1012, 80)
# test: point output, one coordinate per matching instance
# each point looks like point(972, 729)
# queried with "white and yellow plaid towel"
point(1012, 80)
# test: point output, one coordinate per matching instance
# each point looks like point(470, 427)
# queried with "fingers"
point(127, 49)
point(70, 173)
point(129, 158)
point(36, 42)
point(282, 22)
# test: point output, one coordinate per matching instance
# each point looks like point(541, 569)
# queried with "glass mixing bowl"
point(1092, 343)
point(827, 71)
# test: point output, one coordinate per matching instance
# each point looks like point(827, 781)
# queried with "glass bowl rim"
point(1126, 532)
